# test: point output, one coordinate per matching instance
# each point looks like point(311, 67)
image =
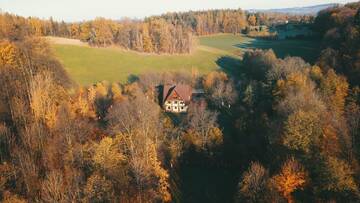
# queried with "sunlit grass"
point(88, 65)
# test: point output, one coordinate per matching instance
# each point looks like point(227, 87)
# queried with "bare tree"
point(254, 183)
point(52, 189)
point(201, 126)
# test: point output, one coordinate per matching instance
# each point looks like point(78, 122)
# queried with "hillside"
point(308, 10)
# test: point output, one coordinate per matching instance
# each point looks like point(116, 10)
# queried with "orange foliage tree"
point(291, 178)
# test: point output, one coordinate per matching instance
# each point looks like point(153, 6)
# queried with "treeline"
point(227, 20)
point(340, 28)
point(153, 36)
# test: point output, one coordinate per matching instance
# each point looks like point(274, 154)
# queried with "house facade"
point(176, 98)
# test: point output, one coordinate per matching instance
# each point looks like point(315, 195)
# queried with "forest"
point(285, 130)
point(171, 33)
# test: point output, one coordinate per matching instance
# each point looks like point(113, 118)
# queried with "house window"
point(168, 108)
point(182, 103)
point(175, 107)
point(175, 102)
point(182, 108)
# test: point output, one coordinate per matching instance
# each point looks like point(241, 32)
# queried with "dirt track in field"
point(66, 41)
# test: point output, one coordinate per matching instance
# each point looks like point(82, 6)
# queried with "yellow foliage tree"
point(338, 176)
point(45, 96)
point(117, 93)
point(8, 54)
point(335, 89)
point(98, 189)
point(75, 31)
point(108, 159)
point(213, 77)
point(82, 103)
point(302, 130)
point(147, 43)
point(252, 20)
point(161, 174)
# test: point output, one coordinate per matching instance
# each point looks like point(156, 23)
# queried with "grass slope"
point(87, 65)
point(307, 49)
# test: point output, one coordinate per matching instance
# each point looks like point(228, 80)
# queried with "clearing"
point(88, 65)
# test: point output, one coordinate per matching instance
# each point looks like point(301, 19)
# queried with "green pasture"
point(87, 65)
point(307, 49)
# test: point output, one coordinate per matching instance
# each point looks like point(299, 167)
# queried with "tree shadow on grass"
point(132, 78)
point(308, 49)
point(230, 65)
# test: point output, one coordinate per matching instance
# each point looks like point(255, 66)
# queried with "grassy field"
point(87, 65)
point(225, 42)
point(307, 49)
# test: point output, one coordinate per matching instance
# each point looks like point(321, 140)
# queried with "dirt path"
point(66, 41)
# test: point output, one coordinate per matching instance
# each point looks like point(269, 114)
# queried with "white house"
point(176, 98)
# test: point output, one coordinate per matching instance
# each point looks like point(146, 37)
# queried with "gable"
point(181, 92)
point(174, 95)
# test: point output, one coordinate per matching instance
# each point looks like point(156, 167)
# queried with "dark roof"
point(183, 91)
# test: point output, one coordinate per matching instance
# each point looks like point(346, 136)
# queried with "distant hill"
point(308, 10)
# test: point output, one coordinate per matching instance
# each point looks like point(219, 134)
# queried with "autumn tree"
point(220, 89)
point(253, 186)
point(98, 189)
point(147, 42)
point(52, 188)
point(202, 128)
point(110, 161)
point(252, 20)
point(335, 89)
point(292, 177)
point(75, 31)
point(103, 32)
point(136, 122)
point(302, 131)
point(337, 176)
point(86, 33)
point(258, 62)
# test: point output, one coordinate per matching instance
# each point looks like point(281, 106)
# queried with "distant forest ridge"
point(306, 10)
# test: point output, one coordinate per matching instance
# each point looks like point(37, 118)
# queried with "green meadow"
point(87, 65)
